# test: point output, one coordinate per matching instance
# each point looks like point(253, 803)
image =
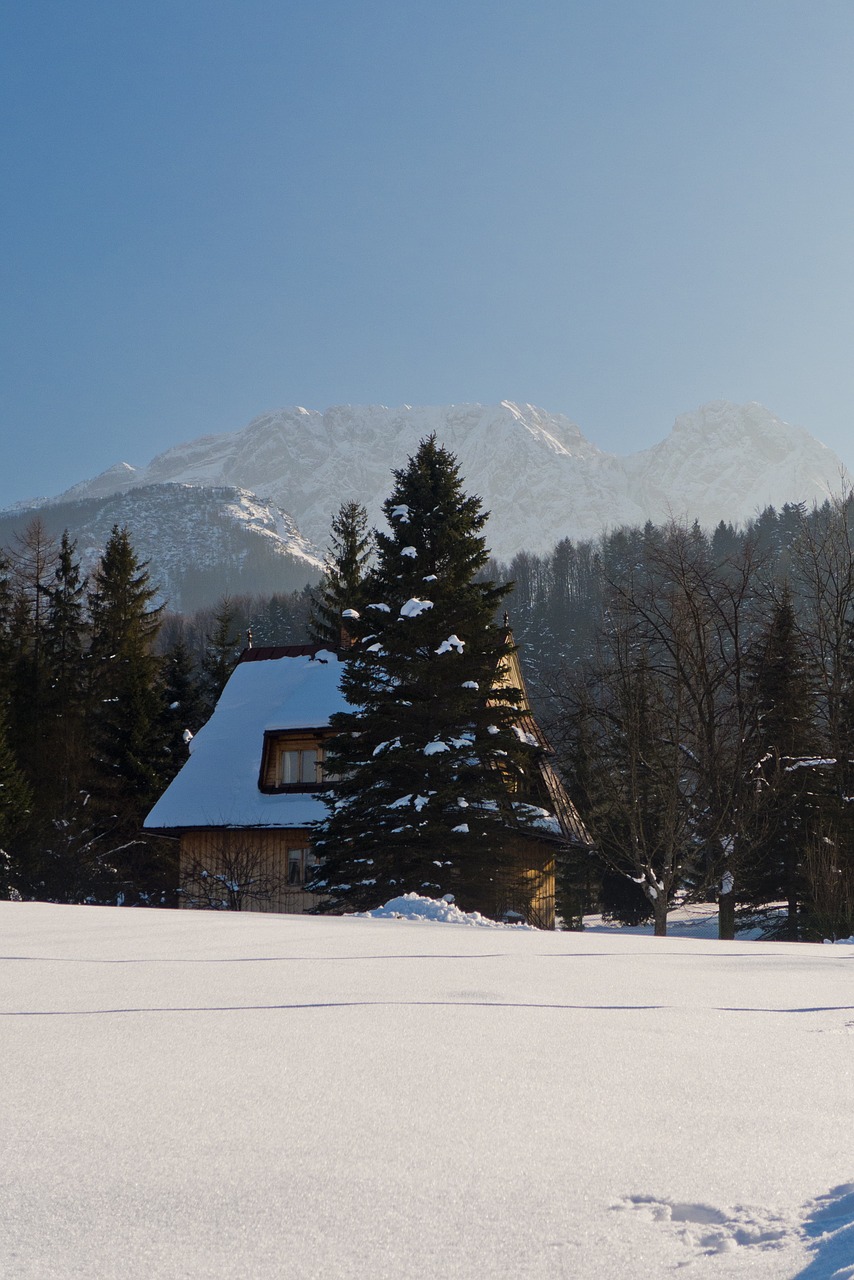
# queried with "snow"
point(257, 1096)
point(452, 642)
point(416, 908)
point(410, 552)
point(218, 785)
point(535, 470)
point(413, 607)
point(433, 748)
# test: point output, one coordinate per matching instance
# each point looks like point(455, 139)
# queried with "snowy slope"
point(722, 450)
point(537, 474)
point(200, 542)
point(256, 1096)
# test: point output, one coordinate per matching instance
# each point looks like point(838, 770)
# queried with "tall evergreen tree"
point(341, 587)
point(429, 771)
point(786, 819)
point(185, 705)
point(222, 649)
point(15, 802)
point(65, 696)
point(130, 759)
point(7, 642)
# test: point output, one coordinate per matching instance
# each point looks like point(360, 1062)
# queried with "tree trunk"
point(726, 916)
point(659, 906)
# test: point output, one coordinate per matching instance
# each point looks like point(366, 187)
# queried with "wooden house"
point(243, 805)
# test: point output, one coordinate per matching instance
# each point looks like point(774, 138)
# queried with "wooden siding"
point(529, 892)
point(214, 848)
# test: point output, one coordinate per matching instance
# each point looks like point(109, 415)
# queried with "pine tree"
point(15, 803)
point(427, 763)
point(65, 696)
point(786, 817)
point(222, 649)
point(130, 758)
point(185, 706)
point(341, 587)
point(829, 864)
point(7, 642)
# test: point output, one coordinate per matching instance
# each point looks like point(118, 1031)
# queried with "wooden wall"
point(252, 853)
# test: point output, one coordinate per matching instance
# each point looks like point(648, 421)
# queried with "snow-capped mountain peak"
point(538, 475)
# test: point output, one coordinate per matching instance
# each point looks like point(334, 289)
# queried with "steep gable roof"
point(282, 688)
point(294, 687)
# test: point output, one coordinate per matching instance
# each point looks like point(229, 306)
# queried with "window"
point(292, 761)
point(300, 767)
point(301, 865)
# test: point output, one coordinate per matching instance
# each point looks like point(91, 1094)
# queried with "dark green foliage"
point(65, 703)
point(15, 805)
point(185, 707)
point(130, 761)
point(342, 584)
point(76, 859)
point(786, 741)
point(33, 562)
point(428, 763)
point(223, 648)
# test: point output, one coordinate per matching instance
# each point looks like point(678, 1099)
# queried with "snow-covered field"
point(209, 1095)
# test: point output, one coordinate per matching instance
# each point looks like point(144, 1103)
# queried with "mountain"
point(250, 510)
point(727, 461)
point(201, 542)
point(541, 479)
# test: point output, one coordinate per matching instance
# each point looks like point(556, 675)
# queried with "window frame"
point(277, 744)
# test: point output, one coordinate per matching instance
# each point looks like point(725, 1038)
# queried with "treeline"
point(557, 601)
point(100, 692)
point(705, 720)
point(699, 689)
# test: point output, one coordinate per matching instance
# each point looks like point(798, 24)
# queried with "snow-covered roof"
point(218, 786)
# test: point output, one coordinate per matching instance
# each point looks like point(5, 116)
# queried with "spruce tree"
point(130, 758)
point(7, 642)
point(15, 805)
point(185, 711)
point(429, 771)
point(65, 697)
point(351, 546)
point(785, 818)
point(222, 649)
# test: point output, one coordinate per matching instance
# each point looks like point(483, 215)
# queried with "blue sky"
point(616, 210)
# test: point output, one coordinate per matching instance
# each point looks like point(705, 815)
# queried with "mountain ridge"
point(537, 473)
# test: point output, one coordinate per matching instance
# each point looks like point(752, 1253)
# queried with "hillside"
point(201, 543)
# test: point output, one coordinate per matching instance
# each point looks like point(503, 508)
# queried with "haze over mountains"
point(537, 474)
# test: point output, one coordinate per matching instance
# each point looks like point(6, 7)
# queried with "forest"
point(698, 689)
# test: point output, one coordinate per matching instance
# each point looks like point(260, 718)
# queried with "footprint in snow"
point(705, 1229)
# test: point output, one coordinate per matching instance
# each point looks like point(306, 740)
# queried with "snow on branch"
point(413, 607)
